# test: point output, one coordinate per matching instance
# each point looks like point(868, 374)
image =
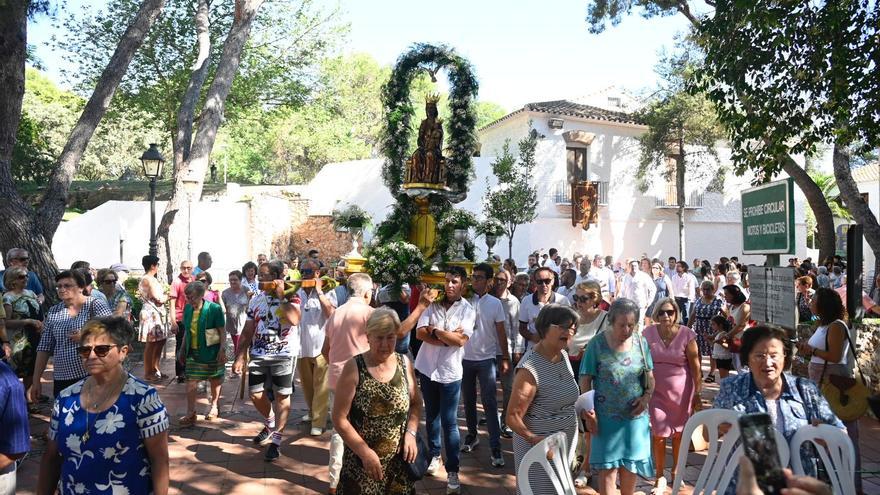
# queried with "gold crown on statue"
point(432, 98)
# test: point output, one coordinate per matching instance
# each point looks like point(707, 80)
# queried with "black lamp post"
point(153, 162)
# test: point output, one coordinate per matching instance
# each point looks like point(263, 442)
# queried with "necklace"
point(114, 390)
point(667, 339)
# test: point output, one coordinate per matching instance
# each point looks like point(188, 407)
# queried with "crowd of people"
point(374, 361)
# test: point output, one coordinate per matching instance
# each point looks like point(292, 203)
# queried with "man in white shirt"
point(567, 283)
point(684, 288)
point(444, 328)
point(531, 304)
point(480, 353)
point(552, 261)
point(316, 307)
point(670, 266)
point(584, 271)
point(637, 286)
point(606, 279)
point(516, 345)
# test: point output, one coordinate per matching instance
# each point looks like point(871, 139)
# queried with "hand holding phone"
point(759, 444)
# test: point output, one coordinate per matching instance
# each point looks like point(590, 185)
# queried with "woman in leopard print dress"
point(376, 411)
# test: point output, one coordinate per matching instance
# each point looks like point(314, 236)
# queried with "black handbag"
point(415, 470)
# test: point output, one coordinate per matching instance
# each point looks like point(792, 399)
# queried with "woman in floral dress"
point(108, 432)
point(705, 307)
point(153, 318)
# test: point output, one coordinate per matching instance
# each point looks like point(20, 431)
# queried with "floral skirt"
point(152, 326)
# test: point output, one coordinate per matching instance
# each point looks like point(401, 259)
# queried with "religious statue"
point(427, 165)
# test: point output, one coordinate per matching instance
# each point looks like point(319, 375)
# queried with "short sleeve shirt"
point(346, 334)
point(179, 297)
point(529, 308)
point(483, 344)
point(311, 322)
point(274, 336)
point(55, 339)
point(442, 364)
point(13, 414)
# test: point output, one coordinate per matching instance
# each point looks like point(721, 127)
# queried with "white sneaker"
point(434, 466)
point(452, 484)
point(316, 432)
point(306, 418)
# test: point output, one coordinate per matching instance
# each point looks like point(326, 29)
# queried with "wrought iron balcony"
point(670, 198)
point(562, 193)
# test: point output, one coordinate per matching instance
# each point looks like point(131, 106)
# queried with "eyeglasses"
point(478, 277)
point(110, 281)
point(100, 350)
point(60, 287)
point(584, 298)
point(544, 281)
point(762, 357)
point(667, 312)
point(185, 268)
point(24, 258)
point(501, 279)
point(571, 329)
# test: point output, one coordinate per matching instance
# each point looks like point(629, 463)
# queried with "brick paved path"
point(218, 457)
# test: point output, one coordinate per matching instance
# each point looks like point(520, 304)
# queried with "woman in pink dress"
point(678, 382)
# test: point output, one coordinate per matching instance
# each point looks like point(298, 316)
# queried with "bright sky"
point(523, 51)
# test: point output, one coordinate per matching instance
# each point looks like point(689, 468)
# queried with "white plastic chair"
point(721, 462)
point(558, 469)
point(838, 455)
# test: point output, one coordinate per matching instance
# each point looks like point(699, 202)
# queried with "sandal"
point(213, 413)
point(710, 379)
point(659, 486)
point(188, 420)
point(582, 481)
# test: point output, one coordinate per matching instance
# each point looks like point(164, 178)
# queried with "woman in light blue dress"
point(617, 365)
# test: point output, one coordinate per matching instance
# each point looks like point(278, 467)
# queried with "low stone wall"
point(868, 345)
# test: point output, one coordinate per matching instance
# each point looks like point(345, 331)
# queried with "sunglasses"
point(100, 350)
point(110, 281)
point(667, 312)
point(544, 281)
point(585, 298)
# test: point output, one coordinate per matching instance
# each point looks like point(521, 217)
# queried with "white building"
point(598, 145)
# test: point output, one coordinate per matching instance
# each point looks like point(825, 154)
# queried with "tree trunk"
point(852, 198)
point(510, 245)
point(173, 229)
point(681, 197)
point(54, 201)
point(816, 200)
point(186, 113)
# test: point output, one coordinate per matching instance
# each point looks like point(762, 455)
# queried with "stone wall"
point(317, 232)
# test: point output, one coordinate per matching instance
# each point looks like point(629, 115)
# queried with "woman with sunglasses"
point(118, 300)
point(203, 349)
point(706, 306)
point(154, 319)
point(61, 333)
point(678, 383)
point(591, 321)
point(109, 431)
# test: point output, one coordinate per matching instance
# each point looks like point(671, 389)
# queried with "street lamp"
point(153, 162)
point(190, 185)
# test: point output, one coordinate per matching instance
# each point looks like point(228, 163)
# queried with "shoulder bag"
point(415, 470)
point(848, 397)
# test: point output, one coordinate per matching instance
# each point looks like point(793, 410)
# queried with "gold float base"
point(467, 265)
point(434, 278)
point(354, 264)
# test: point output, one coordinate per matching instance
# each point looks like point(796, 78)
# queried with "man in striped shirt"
point(15, 441)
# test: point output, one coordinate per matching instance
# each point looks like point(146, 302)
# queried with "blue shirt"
point(16, 437)
point(33, 283)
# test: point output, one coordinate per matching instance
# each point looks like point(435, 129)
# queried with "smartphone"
point(759, 443)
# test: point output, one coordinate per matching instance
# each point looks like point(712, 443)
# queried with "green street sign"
point(768, 218)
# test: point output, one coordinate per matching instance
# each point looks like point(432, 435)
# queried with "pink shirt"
point(346, 336)
point(177, 293)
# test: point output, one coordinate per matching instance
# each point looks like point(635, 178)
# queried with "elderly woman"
point(804, 287)
point(249, 279)
point(109, 431)
point(591, 321)
point(23, 325)
point(118, 300)
point(235, 302)
point(544, 390)
point(706, 306)
point(618, 366)
point(376, 410)
point(678, 382)
point(791, 402)
point(738, 313)
point(203, 349)
point(61, 333)
point(829, 351)
point(153, 319)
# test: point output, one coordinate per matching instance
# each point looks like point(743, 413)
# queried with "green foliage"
point(514, 201)
point(49, 114)
point(395, 263)
point(676, 117)
point(351, 217)
point(614, 10)
point(789, 79)
point(461, 138)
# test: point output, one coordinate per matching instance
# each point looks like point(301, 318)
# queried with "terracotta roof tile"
point(570, 109)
